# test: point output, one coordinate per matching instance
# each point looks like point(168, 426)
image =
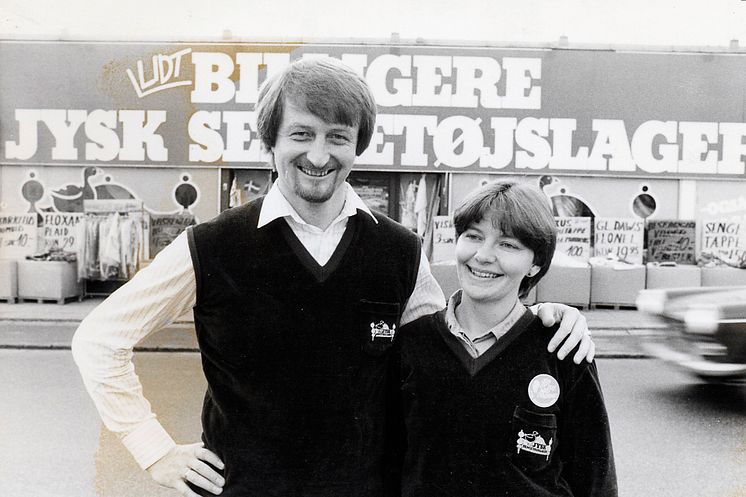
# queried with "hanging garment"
point(80, 233)
point(110, 261)
point(129, 247)
point(125, 232)
point(143, 236)
point(91, 268)
point(420, 206)
point(432, 210)
point(408, 217)
point(135, 248)
point(235, 194)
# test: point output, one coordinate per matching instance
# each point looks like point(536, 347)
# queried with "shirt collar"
point(455, 327)
point(275, 206)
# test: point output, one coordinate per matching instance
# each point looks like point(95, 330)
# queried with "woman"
point(487, 410)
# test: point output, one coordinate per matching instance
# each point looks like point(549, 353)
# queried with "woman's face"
point(491, 264)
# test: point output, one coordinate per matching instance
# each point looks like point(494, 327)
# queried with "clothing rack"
point(115, 240)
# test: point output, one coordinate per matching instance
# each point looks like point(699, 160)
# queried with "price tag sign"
point(724, 239)
point(444, 239)
point(622, 237)
point(574, 237)
point(18, 234)
point(164, 228)
point(672, 241)
point(60, 231)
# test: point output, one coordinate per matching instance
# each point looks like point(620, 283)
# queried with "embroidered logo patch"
point(382, 330)
point(534, 443)
point(543, 390)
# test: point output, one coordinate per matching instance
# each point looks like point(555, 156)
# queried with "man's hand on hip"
point(186, 463)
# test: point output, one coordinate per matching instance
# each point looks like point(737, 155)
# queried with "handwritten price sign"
point(574, 237)
point(725, 239)
point(61, 230)
point(164, 228)
point(672, 240)
point(622, 237)
point(18, 234)
point(444, 239)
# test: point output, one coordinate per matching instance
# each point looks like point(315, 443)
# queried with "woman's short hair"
point(519, 210)
point(326, 87)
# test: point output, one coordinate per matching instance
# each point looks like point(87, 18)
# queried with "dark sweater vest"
point(473, 431)
point(295, 404)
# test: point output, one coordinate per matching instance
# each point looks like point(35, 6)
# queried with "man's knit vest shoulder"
point(296, 354)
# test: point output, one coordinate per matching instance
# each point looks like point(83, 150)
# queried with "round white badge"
point(543, 390)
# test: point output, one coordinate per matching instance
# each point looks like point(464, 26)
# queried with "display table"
point(566, 285)
point(658, 276)
point(616, 285)
point(723, 276)
point(49, 280)
point(8, 280)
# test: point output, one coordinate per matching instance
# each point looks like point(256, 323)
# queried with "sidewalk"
point(617, 333)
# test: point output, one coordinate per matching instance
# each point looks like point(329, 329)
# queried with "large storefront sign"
point(446, 109)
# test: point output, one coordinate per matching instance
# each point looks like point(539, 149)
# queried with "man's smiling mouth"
point(316, 173)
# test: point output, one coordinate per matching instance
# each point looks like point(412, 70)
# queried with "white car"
point(707, 333)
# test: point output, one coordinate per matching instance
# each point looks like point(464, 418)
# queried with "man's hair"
point(327, 88)
point(518, 210)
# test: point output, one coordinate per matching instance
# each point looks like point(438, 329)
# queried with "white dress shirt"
point(163, 291)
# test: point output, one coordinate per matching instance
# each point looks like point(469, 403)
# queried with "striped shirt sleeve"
point(102, 347)
point(426, 298)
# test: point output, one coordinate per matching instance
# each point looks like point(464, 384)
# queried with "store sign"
point(61, 231)
point(672, 241)
point(18, 234)
point(619, 237)
point(574, 237)
point(448, 109)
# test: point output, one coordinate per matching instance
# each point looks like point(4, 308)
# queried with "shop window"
point(238, 186)
point(378, 190)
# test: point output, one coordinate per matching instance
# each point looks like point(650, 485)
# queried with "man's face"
point(313, 157)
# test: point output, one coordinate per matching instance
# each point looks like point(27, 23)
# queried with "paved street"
point(673, 436)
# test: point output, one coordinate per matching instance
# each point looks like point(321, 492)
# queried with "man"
point(297, 297)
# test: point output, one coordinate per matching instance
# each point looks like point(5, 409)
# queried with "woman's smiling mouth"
point(483, 274)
